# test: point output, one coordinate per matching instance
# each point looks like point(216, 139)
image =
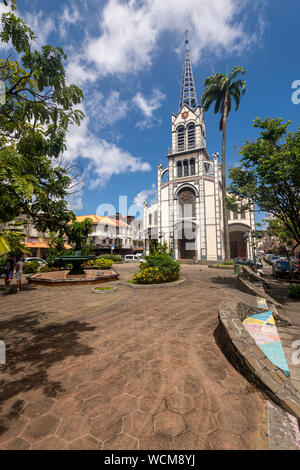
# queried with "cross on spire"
point(188, 90)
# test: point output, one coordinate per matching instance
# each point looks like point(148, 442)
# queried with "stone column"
point(171, 204)
point(146, 241)
point(217, 206)
point(159, 178)
point(202, 210)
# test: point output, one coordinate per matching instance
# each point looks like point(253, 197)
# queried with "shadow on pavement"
point(29, 359)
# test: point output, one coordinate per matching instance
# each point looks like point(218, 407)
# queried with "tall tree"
point(34, 119)
point(222, 90)
point(269, 176)
point(78, 232)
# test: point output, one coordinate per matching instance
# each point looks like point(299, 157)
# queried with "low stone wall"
point(242, 351)
point(250, 288)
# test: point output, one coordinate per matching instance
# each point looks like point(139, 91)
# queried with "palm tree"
point(222, 89)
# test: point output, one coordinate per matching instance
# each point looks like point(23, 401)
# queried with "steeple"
point(188, 90)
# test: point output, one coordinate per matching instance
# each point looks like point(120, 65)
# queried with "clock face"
point(184, 115)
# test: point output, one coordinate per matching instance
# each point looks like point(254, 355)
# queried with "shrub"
point(30, 267)
point(159, 268)
point(48, 269)
point(114, 258)
point(294, 291)
point(99, 263)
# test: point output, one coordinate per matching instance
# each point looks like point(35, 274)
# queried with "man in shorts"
point(19, 270)
point(9, 270)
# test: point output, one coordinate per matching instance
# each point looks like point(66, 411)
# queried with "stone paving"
point(135, 369)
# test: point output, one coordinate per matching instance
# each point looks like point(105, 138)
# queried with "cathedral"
point(188, 212)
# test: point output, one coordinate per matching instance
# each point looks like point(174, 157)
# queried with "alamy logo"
point(296, 94)
point(2, 353)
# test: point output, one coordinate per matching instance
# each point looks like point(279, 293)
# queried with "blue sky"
point(127, 56)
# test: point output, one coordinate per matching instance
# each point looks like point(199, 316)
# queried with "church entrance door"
point(187, 240)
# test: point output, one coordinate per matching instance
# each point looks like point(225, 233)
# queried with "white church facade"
point(188, 212)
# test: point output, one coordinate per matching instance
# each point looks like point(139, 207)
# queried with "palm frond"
point(238, 69)
point(236, 94)
point(4, 246)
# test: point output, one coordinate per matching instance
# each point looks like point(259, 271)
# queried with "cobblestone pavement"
point(135, 369)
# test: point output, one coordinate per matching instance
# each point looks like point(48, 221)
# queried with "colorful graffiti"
point(262, 329)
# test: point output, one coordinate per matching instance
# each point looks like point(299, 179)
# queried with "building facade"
point(188, 212)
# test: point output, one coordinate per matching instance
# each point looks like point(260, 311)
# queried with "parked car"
point(274, 258)
point(131, 259)
point(282, 269)
point(248, 262)
point(40, 261)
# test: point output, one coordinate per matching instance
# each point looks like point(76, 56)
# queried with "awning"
point(43, 245)
point(97, 219)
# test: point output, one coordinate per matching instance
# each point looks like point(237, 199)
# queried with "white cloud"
point(75, 203)
point(69, 16)
point(145, 195)
point(77, 72)
point(105, 111)
point(42, 27)
point(105, 158)
point(148, 106)
point(130, 32)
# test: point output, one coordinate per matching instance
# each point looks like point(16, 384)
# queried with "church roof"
point(188, 90)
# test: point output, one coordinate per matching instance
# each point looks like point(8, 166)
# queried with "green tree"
point(287, 244)
point(269, 175)
point(78, 232)
point(13, 4)
point(222, 90)
point(38, 108)
point(12, 239)
point(56, 248)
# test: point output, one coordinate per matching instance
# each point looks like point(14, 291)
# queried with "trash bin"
point(237, 269)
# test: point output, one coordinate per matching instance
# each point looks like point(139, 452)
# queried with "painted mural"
point(263, 330)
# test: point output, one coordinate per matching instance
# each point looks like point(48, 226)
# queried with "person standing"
point(9, 270)
point(19, 271)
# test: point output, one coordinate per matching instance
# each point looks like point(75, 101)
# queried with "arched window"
point(187, 204)
point(192, 167)
point(180, 139)
point(179, 170)
point(191, 136)
point(155, 218)
point(186, 168)
point(150, 220)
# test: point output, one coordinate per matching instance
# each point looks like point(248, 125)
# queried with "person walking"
point(9, 270)
point(19, 271)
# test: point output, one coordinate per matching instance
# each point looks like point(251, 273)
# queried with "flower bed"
point(159, 268)
point(99, 263)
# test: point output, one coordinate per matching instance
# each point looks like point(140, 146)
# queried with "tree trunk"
point(225, 212)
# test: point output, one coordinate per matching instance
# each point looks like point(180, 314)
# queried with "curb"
point(152, 286)
point(242, 351)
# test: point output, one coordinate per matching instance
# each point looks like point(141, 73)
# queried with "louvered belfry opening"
point(181, 139)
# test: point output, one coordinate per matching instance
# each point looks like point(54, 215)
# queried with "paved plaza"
point(134, 369)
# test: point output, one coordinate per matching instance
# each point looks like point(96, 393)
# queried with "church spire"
point(188, 90)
